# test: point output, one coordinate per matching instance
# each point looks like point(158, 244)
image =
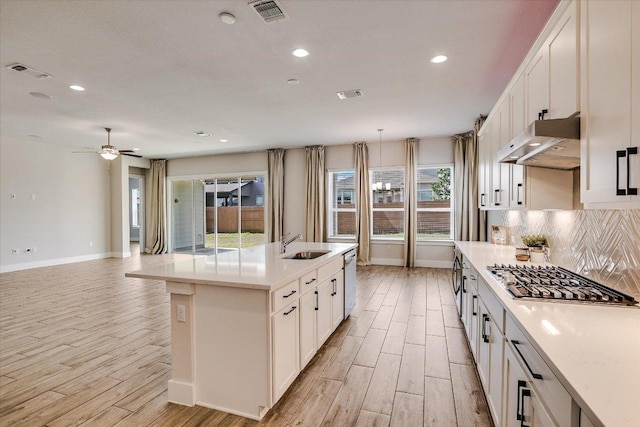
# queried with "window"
point(387, 203)
point(342, 208)
point(434, 207)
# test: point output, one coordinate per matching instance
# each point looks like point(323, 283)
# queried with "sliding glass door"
point(218, 214)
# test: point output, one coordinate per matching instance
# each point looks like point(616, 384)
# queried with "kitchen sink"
point(306, 255)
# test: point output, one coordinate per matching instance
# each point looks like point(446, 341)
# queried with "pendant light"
point(108, 152)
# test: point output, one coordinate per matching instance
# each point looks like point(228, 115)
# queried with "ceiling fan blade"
point(127, 151)
point(130, 155)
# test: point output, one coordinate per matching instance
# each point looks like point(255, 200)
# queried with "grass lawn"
point(230, 240)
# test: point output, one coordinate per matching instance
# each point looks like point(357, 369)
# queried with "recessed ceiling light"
point(227, 18)
point(40, 95)
point(201, 133)
point(224, 140)
point(535, 144)
point(293, 82)
point(300, 53)
point(76, 87)
point(438, 59)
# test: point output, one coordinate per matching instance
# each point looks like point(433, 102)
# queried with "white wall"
point(216, 165)
point(61, 205)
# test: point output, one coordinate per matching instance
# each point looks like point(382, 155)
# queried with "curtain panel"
point(470, 222)
point(315, 194)
point(156, 240)
point(275, 193)
point(363, 203)
point(410, 194)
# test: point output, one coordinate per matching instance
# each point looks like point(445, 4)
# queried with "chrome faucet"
point(284, 242)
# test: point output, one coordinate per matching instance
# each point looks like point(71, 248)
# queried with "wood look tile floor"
point(80, 344)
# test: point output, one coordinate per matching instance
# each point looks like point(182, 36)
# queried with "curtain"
point(410, 193)
point(275, 193)
point(470, 222)
point(315, 193)
point(363, 203)
point(156, 241)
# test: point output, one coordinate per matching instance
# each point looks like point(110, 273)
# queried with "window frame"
point(331, 210)
point(450, 209)
point(372, 236)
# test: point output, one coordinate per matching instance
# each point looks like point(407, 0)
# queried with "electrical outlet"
point(181, 315)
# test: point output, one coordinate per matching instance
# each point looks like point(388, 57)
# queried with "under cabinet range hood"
point(553, 143)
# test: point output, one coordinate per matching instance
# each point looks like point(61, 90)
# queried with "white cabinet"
point(470, 309)
point(307, 328)
point(522, 406)
point(337, 301)
point(518, 123)
point(501, 137)
point(610, 55)
point(491, 349)
point(484, 165)
point(285, 349)
point(324, 323)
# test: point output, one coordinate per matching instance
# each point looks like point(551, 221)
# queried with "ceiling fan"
point(109, 152)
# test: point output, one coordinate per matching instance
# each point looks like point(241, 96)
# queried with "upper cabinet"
point(610, 93)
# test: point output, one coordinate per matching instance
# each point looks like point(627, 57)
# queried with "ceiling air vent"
point(269, 10)
point(357, 93)
point(21, 68)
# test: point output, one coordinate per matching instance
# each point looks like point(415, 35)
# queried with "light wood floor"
point(80, 344)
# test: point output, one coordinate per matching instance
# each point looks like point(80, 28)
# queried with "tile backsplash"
point(601, 244)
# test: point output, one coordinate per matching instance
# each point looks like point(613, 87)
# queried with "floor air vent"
point(24, 69)
point(269, 10)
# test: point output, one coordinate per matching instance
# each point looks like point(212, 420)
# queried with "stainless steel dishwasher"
point(349, 282)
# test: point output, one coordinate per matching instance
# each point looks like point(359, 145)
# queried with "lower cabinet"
point(337, 301)
point(324, 320)
point(285, 348)
point(489, 361)
point(307, 328)
point(522, 406)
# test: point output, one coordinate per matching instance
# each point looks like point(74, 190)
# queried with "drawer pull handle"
point(464, 282)
point(286, 313)
point(631, 191)
point(317, 300)
point(289, 294)
point(518, 413)
point(474, 310)
point(516, 343)
point(522, 393)
point(310, 281)
point(482, 199)
point(518, 191)
point(335, 290)
point(620, 154)
point(485, 319)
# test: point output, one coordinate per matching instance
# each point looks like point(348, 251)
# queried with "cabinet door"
point(537, 85)
point(324, 323)
point(307, 328)
point(522, 406)
point(484, 166)
point(483, 347)
point(517, 104)
point(500, 180)
point(337, 303)
point(562, 45)
point(606, 75)
point(471, 325)
point(285, 349)
point(496, 355)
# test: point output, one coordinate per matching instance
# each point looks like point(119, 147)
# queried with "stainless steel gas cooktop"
point(556, 283)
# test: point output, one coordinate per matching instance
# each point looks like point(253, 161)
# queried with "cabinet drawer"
point(548, 389)
point(285, 295)
point(329, 269)
point(308, 281)
point(494, 308)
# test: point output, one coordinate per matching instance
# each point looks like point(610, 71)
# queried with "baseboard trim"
point(52, 262)
point(387, 261)
point(181, 393)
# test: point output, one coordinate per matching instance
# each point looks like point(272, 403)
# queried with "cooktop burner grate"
point(556, 283)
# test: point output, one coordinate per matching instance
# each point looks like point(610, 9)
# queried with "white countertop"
point(260, 267)
point(594, 350)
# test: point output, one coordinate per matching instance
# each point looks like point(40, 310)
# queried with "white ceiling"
point(157, 71)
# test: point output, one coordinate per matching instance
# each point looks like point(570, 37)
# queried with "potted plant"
point(536, 244)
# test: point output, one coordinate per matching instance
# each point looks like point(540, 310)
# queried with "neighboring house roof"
point(225, 188)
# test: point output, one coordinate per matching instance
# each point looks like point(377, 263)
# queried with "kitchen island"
point(244, 323)
point(584, 356)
